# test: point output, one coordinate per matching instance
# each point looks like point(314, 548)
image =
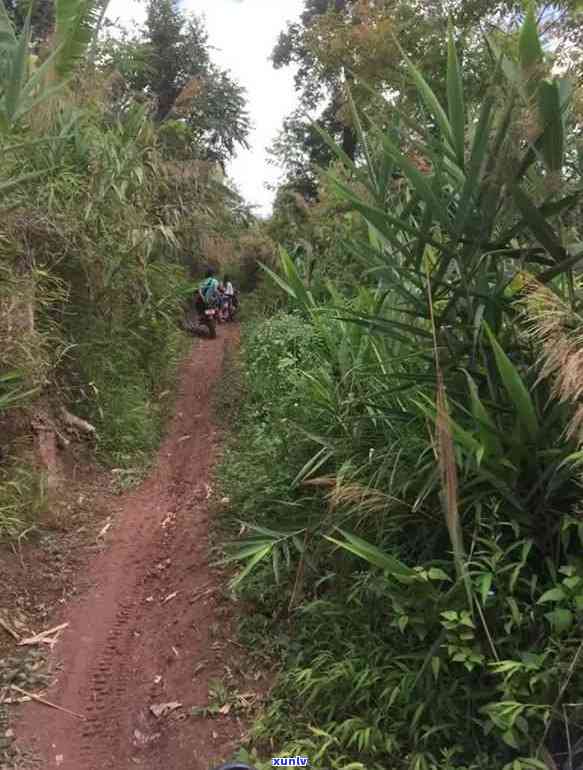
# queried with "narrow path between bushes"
point(151, 629)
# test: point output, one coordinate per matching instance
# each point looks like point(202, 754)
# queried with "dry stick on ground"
point(44, 702)
point(20, 539)
point(9, 630)
point(76, 422)
point(43, 636)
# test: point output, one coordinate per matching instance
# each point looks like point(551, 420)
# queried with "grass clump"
point(23, 498)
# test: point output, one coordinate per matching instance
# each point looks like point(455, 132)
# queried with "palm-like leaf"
point(7, 36)
point(21, 92)
point(76, 23)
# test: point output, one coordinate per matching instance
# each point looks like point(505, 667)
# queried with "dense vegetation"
point(113, 198)
point(406, 464)
point(408, 467)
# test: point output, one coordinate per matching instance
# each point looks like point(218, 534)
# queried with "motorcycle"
point(208, 314)
point(209, 319)
point(231, 307)
point(199, 314)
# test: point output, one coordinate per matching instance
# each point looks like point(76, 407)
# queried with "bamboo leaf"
point(515, 387)
point(486, 427)
point(455, 99)
point(373, 555)
point(253, 562)
point(530, 50)
point(477, 161)
point(248, 550)
point(433, 105)
point(538, 225)
point(362, 138)
point(419, 182)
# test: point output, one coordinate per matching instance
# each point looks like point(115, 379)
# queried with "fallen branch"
point(105, 529)
point(44, 702)
point(76, 422)
point(20, 539)
point(43, 636)
point(9, 630)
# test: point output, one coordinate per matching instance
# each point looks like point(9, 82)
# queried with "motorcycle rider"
point(207, 294)
point(229, 296)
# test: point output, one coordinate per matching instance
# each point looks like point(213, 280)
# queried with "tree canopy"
point(363, 44)
point(169, 62)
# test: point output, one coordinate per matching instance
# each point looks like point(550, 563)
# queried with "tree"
point(218, 116)
point(362, 43)
point(176, 54)
point(299, 148)
point(169, 61)
point(42, 16)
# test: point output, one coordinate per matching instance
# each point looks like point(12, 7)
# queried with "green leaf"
point(509, 737)
point(6, 29)
point(538, 224)
point(515, 387)
point(10, 184)
point(478, 158)
point(286, 285)
point(455, 99)
point(18, 72)
point(363, 141)
point(419, 182)
point(485, 583)
point(553, 595)
point(75, 24)
point(463, 438)
point(487, 429)
point(433, 105)
point(312, 465)
point(403, 623)
point(248, 550)
point(530, 50)
point(373, 555)
point(253, 562)
point(560, 619)
point(553, 139)
point(438, 574)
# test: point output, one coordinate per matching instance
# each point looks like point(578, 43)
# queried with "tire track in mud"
point(129, 646)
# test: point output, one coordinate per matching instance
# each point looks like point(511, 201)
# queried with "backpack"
point(208, 290)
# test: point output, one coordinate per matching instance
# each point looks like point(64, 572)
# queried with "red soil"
point(141, 630)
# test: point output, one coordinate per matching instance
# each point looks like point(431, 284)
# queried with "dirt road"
point(142, 633)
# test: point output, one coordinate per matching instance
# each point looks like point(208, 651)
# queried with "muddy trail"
point(152, 626)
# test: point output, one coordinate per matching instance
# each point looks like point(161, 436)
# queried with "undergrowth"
point(23, 498)
point(378, 672)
